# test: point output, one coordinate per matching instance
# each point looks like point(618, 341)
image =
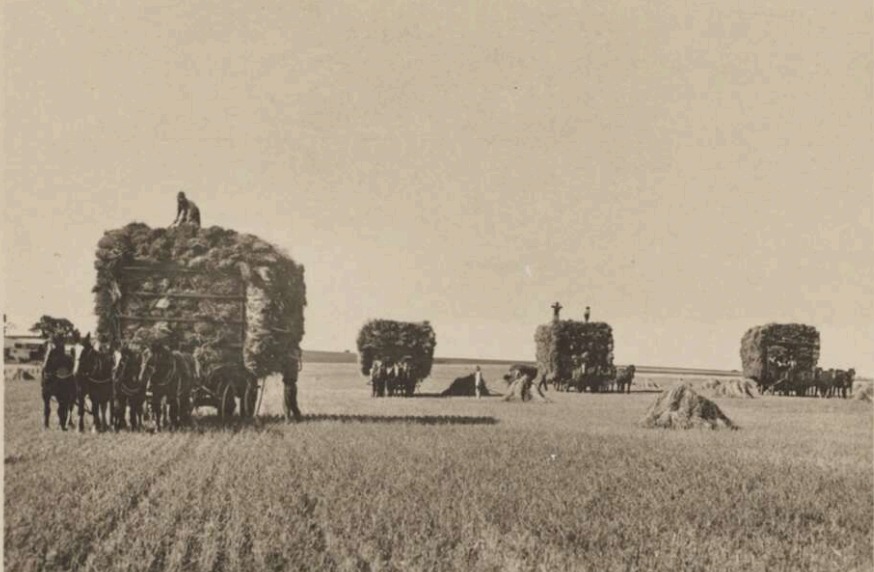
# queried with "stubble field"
point(432, 483)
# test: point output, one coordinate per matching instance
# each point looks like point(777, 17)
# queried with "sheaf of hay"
point(683, 408)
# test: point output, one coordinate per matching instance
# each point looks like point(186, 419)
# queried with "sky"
point(687, 169)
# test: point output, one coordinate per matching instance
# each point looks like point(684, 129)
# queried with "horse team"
point(392, 378)
point(117, 382)
point(596, 379)
point(817, 382)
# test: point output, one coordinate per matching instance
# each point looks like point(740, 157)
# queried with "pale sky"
point(687, 169)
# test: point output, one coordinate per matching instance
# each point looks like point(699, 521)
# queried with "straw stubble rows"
point(460, 484)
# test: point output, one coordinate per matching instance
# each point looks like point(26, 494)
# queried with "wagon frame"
point(224, 384)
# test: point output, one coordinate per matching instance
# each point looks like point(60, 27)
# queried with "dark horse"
point(93, 371)
point(169, 374)
point(128, 389)
point(58, 382)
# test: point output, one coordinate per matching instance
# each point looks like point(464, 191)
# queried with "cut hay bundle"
point(523, 386)
point(864, 392)
point(391, 341)
point(683, 408)
point(734, 387)
point(779, 341)
point(561, 341)
point(645, 383)
point(464, 386)
point(255, 294)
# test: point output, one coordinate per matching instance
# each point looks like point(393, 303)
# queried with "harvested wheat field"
point(446, 484)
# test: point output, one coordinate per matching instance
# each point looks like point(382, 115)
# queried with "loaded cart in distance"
point(231, 300)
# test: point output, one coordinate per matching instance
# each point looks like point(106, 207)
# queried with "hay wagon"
point(234, 301)
point(224, 382)
point(781, 356)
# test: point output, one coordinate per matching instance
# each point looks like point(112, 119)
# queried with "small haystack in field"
point(522, 387)
point(734, 387)
point(464, 386)
point(645, 384)
point(683, 408)
point(864, 392)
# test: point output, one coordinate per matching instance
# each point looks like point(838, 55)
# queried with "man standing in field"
point(478, 382)
point(186, 211)
point(293, 365)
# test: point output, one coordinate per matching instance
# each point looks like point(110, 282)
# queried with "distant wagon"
point(781, 357)
point(575, 355)
point(396, 356)
point(232, 300)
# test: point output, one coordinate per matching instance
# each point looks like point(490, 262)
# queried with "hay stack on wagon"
point(560, 342)
point(152, 273)
point(390, 341)
point(763, 346)
point(683, 408)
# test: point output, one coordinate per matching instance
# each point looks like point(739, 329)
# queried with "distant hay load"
point(733, 387)
point(560, 341)
point(683, 408)
point(389, 340)
point(778, 341)
point(153, 273)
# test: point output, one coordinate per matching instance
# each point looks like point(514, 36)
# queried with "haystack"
point(683, 408)
point(464, 386)
point(646, 384)
point(732, 387)
point(782, 341)
point(560, 341)
point(154, 273)
point(864, 392)
point(391, 341)
point(523, 387)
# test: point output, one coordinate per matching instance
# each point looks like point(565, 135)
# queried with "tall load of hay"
point(211, 291)
point(390, 342)
point(761, 345)
point(561, 341)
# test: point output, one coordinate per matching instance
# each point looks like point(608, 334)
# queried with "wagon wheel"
point(247, 402)
point(227, 400)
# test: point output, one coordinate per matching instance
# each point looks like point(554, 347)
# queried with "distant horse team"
point(819, 382)
point(392, 378)
point(595, 378)
point(116, 382)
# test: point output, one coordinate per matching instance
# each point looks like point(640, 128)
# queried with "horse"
point(624, 378)
point(58, 381)
point(168, 374)
point(93, 371)
point(129, 391)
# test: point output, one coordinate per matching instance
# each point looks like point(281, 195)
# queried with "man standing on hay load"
point(292, 367)
point(186, 211)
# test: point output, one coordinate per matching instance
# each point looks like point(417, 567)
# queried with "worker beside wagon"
point(478, 382)
point(290, 372)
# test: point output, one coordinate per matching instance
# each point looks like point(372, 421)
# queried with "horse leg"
point(174, 413)
point(156, 411)
point(47, 409)
point(62, 415)
point(80, 403)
